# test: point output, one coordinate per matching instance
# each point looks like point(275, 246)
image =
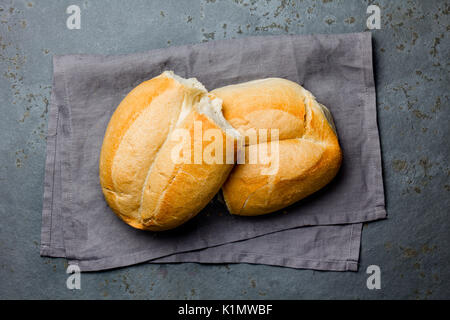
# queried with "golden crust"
point(264, 104)
point(309, 152)
point(139, 181)
point(174, 193)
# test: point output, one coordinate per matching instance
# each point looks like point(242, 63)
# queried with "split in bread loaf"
point(140, 181)
point(309, 155)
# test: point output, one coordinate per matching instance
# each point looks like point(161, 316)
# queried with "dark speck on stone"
point(350, 20)
point(399, 165)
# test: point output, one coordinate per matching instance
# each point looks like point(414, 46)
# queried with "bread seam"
point(249, 196)
point(161, 197)
point(120, 142)
point(122, 137)
point(154, 161)
point(115, 192)
point(306, 117)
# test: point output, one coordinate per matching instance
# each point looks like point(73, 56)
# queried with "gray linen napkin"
point(321, 232)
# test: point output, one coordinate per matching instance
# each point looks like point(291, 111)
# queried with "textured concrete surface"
point(411, 53)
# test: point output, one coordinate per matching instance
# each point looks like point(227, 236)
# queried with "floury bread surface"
point(309, 155)
point(140, 181)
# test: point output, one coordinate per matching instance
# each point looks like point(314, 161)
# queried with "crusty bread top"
point(275, 103)
point(309, 152)
point(264, 104)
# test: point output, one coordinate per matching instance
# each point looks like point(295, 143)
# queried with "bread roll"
point(309, 152)
point(140, 180)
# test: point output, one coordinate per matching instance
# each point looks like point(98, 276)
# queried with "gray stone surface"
point(411, 53)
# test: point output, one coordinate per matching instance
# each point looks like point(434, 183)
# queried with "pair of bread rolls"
point(150, 189)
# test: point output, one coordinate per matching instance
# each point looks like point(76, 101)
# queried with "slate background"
point(411, 54)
